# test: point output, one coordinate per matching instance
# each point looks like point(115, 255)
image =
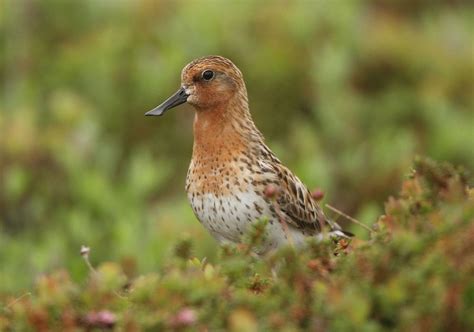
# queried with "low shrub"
point(413, 274)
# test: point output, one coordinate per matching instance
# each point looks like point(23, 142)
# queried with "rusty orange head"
point(206, 83)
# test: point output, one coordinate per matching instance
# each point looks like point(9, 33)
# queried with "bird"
point(234, 178)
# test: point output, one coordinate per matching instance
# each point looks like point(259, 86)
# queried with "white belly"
point(227, 218)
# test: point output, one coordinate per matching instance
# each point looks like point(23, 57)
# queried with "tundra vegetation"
point(347, 93)
point(414, 273)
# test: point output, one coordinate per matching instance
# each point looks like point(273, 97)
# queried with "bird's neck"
point(225, 131)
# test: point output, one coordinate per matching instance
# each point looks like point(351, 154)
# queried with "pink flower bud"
point(317, 194)
point(185, 317)
point(270, 191)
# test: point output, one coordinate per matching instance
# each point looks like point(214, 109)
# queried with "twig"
point(355, 221)
point(85, 254)
point(17, 300)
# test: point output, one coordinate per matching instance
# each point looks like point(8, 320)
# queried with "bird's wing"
point(294, 201)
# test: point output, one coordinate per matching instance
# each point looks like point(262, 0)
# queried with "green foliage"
point(414, 273)
point(346, 93)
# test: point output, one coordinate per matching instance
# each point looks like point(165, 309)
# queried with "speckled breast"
point(227, 217)
point(227, 204)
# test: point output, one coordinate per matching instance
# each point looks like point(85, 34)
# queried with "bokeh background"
point(346, 93)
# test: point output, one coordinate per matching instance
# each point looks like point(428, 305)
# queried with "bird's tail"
point(336, 231)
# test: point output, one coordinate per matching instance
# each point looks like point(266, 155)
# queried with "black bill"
point(177, 99)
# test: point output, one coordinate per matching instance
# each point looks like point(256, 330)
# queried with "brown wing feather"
point(293, 198)
point(295, 201)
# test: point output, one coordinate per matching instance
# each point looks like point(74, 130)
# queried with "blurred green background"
point(346, 93)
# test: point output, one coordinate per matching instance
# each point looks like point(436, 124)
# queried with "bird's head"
point(206, 83)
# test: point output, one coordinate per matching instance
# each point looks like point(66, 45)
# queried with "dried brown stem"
point(355, 221)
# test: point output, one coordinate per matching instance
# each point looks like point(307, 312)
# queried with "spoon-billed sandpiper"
point(234, 178)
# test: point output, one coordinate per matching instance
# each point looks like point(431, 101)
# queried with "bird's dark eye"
point(207, 75)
